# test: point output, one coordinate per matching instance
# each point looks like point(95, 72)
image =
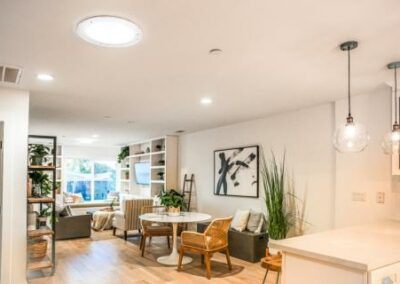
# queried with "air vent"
point(10, 74)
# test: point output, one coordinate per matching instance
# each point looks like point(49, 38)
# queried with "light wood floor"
point(105, 259)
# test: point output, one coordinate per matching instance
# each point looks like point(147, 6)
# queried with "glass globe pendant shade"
point(351, 137)
point(391, 141)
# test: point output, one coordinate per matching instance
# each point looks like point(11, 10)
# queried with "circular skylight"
point(109, 31)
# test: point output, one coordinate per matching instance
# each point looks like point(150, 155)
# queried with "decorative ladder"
point(187, 195)
point(187, 190)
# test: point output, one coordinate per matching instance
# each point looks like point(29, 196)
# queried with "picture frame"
point(236, 172)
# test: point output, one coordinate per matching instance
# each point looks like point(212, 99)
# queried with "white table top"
point(364, 248)
point(185, 217)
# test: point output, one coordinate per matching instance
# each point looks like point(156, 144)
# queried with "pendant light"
point(351, 137)
point(391, 141)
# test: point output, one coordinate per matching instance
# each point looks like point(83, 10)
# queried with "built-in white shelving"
point(160, 156)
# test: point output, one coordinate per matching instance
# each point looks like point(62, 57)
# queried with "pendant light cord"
point(348, 81)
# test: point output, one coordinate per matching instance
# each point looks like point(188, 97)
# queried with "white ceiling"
point(277, 56)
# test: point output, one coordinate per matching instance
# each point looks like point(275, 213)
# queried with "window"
point(93, 179)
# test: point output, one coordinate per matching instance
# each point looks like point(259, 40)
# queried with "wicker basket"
point(37, 248)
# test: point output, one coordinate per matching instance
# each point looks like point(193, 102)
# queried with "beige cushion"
point(239, 222)
point(254, 221)
point(260, 225)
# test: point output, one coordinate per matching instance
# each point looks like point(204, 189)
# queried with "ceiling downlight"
point(109, 31)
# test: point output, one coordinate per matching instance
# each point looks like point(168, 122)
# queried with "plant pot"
point(174, 212)
point(36, 161)
point(42, 221)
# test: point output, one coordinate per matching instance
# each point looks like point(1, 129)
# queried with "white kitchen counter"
point(363, 248)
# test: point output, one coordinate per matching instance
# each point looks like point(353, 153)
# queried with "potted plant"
point(123, 154)
point(43, 215)
point(37, 153)
point(283, 215)
point(41, 184)
point(173, 201)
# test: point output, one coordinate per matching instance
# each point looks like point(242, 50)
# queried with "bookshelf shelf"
point(160, 156)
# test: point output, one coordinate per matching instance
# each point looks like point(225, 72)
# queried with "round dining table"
point(184, 217)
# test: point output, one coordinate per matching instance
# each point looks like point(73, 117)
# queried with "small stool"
point(272, 263)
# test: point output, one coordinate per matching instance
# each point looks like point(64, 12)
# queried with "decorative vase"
point(31, 221)
point(174, 211)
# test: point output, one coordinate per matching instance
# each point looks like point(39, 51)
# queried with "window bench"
point(82, 208)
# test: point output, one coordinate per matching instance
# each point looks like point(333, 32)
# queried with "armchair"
point(127, 218)
point(214, 239)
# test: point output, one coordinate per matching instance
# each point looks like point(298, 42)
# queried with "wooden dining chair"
point(153, 229)
point(214, 239)
point(272, 263)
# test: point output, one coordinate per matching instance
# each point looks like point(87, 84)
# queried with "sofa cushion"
point(239, 222)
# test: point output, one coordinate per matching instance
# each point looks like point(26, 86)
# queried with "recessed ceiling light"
point(95, 136)
point(106, 117)
point(109, 31)
point(206, 101)
point(131, 121)
point(45, 77)
point(180, 131)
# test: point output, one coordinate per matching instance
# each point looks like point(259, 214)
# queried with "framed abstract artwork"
point(236, 172)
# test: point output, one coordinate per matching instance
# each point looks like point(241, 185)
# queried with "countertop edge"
point(326, 258)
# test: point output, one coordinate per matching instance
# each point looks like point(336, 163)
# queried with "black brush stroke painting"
point(236, 172)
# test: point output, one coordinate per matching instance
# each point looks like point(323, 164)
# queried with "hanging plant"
point(123, 154)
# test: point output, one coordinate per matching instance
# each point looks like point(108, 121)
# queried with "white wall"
point(306, 136)
point(368, 172)
point(14, 108)
point(326, 177)
point(98, 153)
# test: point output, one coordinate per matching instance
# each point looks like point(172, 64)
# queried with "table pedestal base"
point(173, 259)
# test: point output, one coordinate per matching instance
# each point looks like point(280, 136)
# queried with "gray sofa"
point(72, 227)
point(244, 245)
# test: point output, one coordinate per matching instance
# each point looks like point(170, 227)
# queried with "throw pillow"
point(63, 211)
point(261, 226)
point(239, 222)
point(254, 221)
